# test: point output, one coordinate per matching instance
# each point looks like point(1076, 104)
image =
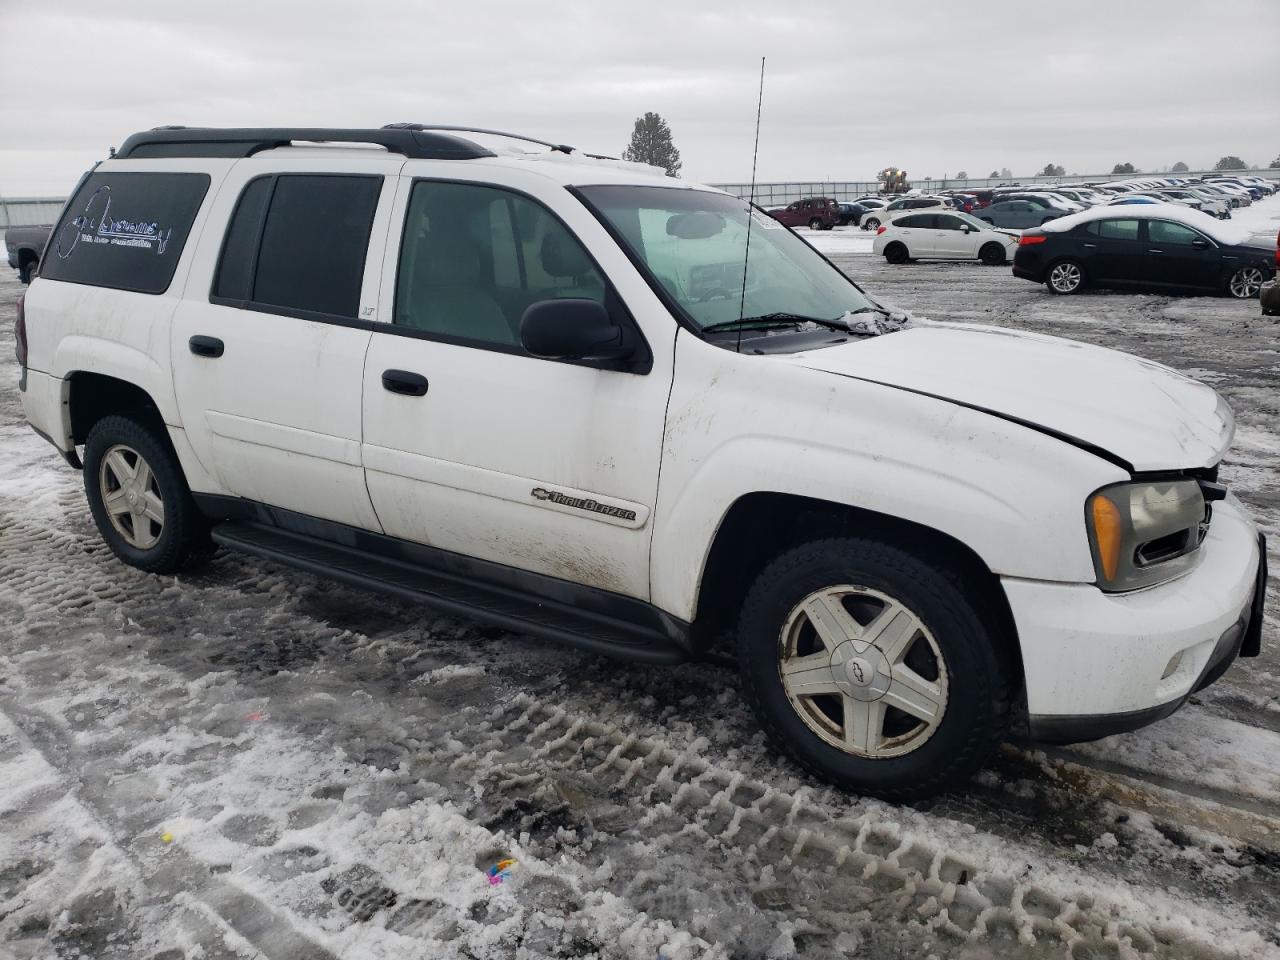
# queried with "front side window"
point(1162, 231)
point(694, 243)
point(296, 245)
point(474, 258)
point(947, 222)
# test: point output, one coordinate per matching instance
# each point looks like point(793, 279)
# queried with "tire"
point(944, 648)
point(1064, 277)
point(815, 224)
point(1245, 283)
point(872, 223)
point(27, 272)
point(147, 518)
point(896, 252)
point(992, 254)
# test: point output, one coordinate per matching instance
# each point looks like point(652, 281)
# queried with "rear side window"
point(1118, 229)
point(125, 231)
point(296, 245)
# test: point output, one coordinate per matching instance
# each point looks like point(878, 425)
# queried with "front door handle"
point(1089, 246)
point(404, 382)
point(205, 346)
point(1154, 250)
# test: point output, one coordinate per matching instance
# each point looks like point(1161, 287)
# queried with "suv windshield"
point(694, 243)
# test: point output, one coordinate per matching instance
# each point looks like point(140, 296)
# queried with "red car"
point(818, 213)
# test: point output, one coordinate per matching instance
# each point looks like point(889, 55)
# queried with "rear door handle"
point(404, 382)
point(1090, 246)
point(1154, 250)
point(205, 346)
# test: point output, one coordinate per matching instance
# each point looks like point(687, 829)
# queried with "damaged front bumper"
point(1098, 664)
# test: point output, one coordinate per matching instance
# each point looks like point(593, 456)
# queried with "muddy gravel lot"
point(252, 762)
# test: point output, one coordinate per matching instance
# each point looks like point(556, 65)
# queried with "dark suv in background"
point(819, 213)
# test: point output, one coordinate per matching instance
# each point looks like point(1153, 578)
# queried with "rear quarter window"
point(125, 231)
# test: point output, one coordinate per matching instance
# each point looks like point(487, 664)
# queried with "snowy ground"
point(251, 762)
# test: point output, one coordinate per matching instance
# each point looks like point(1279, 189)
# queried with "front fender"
point(1011, 494)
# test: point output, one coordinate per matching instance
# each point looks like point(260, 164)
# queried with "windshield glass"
point(695, 242)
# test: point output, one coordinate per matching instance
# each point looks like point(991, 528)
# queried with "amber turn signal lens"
point(1107, 534)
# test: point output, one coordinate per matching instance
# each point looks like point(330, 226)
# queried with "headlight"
point(1144, 533)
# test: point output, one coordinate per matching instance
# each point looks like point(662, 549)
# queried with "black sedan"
point(1152, 247)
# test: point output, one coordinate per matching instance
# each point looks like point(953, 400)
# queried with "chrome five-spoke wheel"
point(131, 496)
point(863, 672)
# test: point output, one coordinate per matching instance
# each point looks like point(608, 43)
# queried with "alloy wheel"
point(862, 671)
point(1065, 277)
point(131, 496)
point(1246, 282)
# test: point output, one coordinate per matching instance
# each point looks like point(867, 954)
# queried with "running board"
point(449, 593)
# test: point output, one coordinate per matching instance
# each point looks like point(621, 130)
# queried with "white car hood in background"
point(1142, 412)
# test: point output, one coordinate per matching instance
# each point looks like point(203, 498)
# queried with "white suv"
point(533, 388)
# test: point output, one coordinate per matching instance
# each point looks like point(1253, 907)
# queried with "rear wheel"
point(139, 498)
point(871, 223)
point(896, 253)
point(815, 224)
point(27, 272)
point(1246, 282)
point(1065, 277)
point(867, 665)
point(992, 254)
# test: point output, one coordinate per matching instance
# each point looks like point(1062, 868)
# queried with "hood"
point(1135, 411)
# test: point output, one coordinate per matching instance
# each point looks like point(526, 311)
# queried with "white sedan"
point(944, 236)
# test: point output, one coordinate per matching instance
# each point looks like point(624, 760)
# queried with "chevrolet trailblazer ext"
point(529, 387)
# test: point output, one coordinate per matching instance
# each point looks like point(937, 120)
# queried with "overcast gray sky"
point(934, 87)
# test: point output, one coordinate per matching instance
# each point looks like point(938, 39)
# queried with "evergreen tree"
point(1179, 167)
point(1231, 163)
point(994, 175)
point(1123, 168)
point(1275, 164)
point(651, 143)
point(962, 175)
point(1052, 170)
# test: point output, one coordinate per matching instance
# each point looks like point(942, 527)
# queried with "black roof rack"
point(426, 127)
point(415, 142)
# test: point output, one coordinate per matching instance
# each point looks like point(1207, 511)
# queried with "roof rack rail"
point(425, 127)
point(173, 141)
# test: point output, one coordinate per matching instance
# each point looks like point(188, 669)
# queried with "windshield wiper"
point(780, 318)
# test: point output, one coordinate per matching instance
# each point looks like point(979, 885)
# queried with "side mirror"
point(572, 329)
point(966, 228)
point(1200, 243)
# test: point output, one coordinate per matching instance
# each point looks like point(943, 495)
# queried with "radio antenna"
point(751, 204)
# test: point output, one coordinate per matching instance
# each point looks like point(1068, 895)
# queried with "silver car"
point(1019, 214)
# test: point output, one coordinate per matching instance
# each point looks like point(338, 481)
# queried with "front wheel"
point(868, 666)
point(1245, 283)
point(992, 254)
point(139, 497)
point(1065, 277)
